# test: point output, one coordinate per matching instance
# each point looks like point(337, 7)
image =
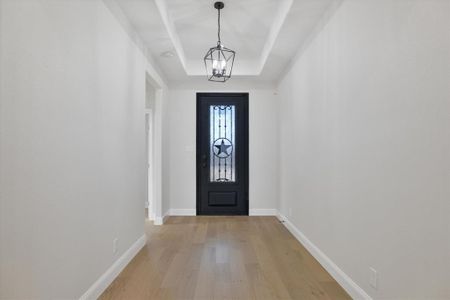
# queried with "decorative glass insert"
point(222, 137)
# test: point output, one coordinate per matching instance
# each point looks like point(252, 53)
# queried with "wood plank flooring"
point(223, 258)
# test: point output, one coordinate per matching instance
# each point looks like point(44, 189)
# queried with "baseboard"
point(263, 212)
point(151, 216)
point(193, 212)
point(183, 212)
point(166, 216)
point(158, 221)
point(354, 290)
point(163, 219)
point(107, 278)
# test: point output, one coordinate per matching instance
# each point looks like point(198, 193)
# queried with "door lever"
point(204, 163)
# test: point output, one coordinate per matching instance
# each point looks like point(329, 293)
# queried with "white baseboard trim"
point(151, 216)
point(193, 212)
point(166, 215)
point(252, 212)
point(160, 220)
point(183, 212)
point(354, 290)
point(108, 277)
point(263, 212)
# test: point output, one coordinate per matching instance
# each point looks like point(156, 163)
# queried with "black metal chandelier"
point(219, 60)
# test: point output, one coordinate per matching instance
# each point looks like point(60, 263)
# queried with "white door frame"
point(153, 79)
point(149, 148)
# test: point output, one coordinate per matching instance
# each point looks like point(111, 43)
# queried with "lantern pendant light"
point(219, 60)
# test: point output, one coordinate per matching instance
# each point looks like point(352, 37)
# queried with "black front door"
point(222, 154)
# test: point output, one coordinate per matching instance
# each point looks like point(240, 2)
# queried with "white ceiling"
point(266, 34)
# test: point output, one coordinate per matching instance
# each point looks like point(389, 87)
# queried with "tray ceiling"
point(266, 34)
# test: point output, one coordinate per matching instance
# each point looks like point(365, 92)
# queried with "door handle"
point(204, 162)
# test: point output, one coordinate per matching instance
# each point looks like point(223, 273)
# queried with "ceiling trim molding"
point(274, 32)
point(326, 17)
point(171, 30)
point(117, 12)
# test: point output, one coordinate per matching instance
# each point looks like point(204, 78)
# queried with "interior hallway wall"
point(365, 145)
point(72, 150)
point(263, 139)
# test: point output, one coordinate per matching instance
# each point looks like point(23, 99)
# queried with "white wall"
point(72, 151)
point(365, 145)
point(262, 149)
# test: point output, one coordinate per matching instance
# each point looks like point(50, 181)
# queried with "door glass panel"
point(222, 145)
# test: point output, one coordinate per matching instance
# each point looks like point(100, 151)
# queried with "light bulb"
point(223, 66)
point(219, 67)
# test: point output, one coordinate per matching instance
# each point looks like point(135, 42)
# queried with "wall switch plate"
point(373, 278)
point(115, 241)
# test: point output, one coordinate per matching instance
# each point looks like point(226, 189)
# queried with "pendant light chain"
point(218, 27)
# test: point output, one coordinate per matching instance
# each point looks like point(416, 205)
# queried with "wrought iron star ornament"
point(222, 148)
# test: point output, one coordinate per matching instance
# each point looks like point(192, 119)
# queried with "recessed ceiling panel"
point(245, 25)
point(266, 34)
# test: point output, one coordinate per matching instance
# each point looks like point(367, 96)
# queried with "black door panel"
point(222, 154)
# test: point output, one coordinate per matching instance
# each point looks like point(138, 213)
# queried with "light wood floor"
point(223, 258)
